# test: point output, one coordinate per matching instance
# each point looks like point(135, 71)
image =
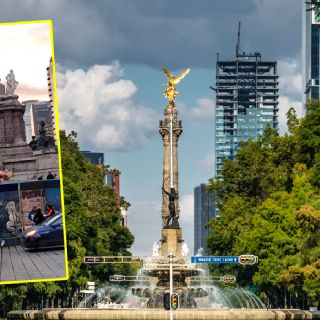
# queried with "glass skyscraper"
point(203, 213)
point(310, 51)
point(246, 102)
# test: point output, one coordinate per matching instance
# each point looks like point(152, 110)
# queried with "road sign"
point(215, 259)
point(243, 259)
point(121, 278)
point(112, 259)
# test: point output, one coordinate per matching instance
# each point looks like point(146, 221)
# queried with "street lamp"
point(171, 281)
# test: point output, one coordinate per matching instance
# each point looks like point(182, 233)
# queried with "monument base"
point(171, 242)
point(160, 314)
point(15, 153)
point(26, 164)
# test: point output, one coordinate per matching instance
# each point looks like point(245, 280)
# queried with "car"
point(48, 234)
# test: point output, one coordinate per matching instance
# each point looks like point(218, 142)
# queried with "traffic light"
point(174, 301)
point(166, 301)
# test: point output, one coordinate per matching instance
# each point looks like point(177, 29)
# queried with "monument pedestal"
point(15, 154)
point(171, 242)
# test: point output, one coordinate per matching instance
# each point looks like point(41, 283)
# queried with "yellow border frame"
point(55, 107)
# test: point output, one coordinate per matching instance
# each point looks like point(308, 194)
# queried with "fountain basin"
point(157, 314)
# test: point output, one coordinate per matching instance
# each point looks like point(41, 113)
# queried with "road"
point(18, 264)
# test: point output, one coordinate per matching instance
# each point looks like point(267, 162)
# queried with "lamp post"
point(171, 282)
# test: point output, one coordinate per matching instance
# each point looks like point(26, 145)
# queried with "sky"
point(110, 83)
point(26, 49)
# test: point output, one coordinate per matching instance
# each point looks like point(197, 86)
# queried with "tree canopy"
point(92, 227)
point(269, 202)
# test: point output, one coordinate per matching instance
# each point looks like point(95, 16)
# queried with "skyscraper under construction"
point(246, 102)
point(310, 51)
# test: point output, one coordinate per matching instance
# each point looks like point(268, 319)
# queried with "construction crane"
point(240, 53)
point(238, 41)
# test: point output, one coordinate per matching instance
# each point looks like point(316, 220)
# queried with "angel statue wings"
point(171, 90)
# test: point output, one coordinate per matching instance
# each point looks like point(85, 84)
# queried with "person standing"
point(50, 211)
point(50, 176)
point(38, 217)
point(32, 213)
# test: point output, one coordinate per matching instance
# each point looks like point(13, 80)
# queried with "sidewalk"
point(18, 264)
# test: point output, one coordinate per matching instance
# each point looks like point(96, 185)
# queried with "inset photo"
point(32, 227)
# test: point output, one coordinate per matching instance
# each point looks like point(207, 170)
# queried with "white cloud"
point(187, 219)
point(290, 80)
point(144, 221)
point(290, 90)
point(186, 209)
point(285, 103)
point(203, 111)
point(98, 104)
point(26, 48)
point(181, 108)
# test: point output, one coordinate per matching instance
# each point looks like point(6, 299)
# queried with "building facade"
point(94, 157)
point(35, 112)
point(203, 213)
point(246, 102)
point(310, 51)
point(112, 178)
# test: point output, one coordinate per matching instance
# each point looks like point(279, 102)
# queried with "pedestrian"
point(50, 211)
point(32, 213)
point(38, 217)
point(50, 176)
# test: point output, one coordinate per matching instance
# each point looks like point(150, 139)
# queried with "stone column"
point(164, 130)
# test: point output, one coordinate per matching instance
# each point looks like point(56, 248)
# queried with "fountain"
point(199, 297)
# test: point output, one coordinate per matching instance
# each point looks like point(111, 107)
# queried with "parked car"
point(45, 235)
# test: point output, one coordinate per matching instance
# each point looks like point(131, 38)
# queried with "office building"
point(203, 213)
point(310, 51)
point(94, 157)
point(112, 178)
point(35, 112)
point(246, 102)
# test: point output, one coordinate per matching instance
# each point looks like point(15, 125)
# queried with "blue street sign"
point(215, 259)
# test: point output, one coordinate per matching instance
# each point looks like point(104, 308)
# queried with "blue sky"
point(109, 56)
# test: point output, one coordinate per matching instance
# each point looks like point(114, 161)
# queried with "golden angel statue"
point(171, 90)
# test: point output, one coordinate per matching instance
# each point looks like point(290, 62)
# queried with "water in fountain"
point(104, 297)
point(194, 285)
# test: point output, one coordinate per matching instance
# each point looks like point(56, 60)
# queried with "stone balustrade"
point(157, 314)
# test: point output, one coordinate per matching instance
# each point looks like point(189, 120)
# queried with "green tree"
point(269, 204)
point(92, 227)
